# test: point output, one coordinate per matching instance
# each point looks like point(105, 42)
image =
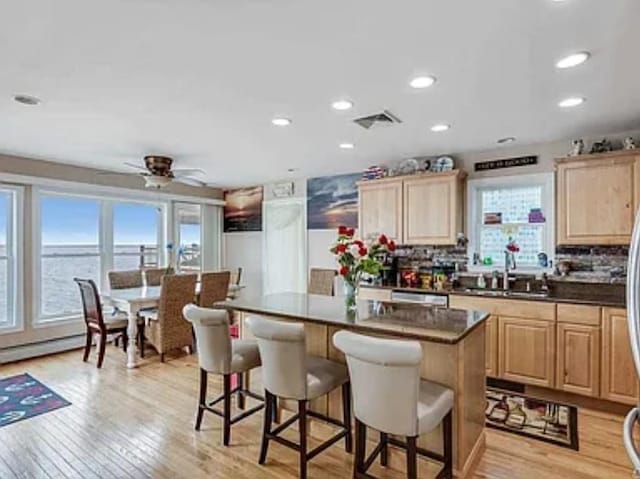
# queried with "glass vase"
point(351, 295)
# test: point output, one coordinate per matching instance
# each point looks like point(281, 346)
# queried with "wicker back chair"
point(125, 279)
point(166, 327)
point(214, 287)
point(153, 276)
point(321, 281)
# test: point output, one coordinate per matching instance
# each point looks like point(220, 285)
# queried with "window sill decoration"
point(356, 258)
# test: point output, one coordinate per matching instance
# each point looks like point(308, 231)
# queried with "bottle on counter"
point(481, 283)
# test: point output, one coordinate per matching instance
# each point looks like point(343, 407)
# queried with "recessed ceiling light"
point(292, 170)
point(441, 127)
point(506, 139)
point(281, 121)
point(342, 105)
point(422, 82)
point(27, 100)
point(571, 102)
point(347, 146)
point(572, 60)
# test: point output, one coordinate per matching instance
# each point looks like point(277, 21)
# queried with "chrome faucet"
point(509, 264)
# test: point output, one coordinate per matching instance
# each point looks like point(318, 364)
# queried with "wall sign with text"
point(506, 163)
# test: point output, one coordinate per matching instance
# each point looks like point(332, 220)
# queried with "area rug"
point(23, 397)
point(532, 417)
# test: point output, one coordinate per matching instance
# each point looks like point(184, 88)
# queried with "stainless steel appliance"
point(633, 320)
point(420, 298)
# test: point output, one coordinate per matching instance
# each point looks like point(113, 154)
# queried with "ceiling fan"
point(157, 172)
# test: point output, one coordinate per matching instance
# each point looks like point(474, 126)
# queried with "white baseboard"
point(27, 351)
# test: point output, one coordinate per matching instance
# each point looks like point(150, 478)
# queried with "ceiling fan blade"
point(181, 172)
point(112, 173)
point(189, 181)
point(133, 165)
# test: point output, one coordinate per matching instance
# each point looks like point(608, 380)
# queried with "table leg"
point(132, 332)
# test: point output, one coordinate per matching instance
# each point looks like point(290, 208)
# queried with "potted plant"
point(355, 258)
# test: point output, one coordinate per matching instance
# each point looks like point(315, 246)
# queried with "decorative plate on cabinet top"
point(443, 163)
point(407, 166)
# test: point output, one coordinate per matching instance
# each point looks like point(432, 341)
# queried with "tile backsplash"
point(594, 264)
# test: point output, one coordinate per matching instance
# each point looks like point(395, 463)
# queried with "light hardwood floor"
point(139, 423)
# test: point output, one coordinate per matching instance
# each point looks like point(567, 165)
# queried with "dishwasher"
point(428, 299)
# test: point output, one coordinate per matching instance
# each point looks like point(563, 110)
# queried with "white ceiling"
point(201, 79)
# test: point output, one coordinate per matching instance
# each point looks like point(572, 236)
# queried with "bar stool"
point(287, 372)
point(389, 396)
point(218, 354)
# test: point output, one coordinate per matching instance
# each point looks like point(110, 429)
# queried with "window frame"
point(105, 239)
point(15, 260)
point(475, 187)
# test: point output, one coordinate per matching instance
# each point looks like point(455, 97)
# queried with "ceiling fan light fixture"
point(156, 182)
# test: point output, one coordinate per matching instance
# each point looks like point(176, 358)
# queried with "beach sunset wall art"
point(243, 209)
point(332, 201)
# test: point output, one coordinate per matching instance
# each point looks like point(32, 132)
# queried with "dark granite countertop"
point(426, 323)
point(579, 293)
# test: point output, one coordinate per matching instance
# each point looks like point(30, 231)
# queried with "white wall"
point(244, 250)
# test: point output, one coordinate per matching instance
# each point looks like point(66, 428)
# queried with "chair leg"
point(384, 453)
point(162, 357)
point(125, 341)
point(412, 458)
point(102, 347)
point(266, 425)
point(240, 378)
point(141, 339)
point(203, 398)
point(302, 426)
point(361, 441)
point(447, 447)
point(346, 416)
point(87, 346)
point(226, 433)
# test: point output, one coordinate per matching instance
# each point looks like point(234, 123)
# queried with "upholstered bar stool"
point(389, 396)
point(219, 354)
point(287, 372)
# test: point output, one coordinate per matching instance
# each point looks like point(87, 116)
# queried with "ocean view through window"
point(86, 237)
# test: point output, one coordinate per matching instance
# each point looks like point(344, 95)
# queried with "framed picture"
point(332, 201)
point(243, 209)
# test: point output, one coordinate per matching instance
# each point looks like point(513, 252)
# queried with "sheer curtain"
point(284, 246)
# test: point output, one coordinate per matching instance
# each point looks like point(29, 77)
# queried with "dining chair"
point(153, 276)
point(389, 396)
point(214, 287)
point(219, 354)
point(321, 281)
point(125, 279)
point(96, 322)
point(165, 328)
point(287, 372)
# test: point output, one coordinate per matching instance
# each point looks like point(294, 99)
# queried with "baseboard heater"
point(33, 350)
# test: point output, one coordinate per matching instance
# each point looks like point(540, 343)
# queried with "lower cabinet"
point(526, 351)
point(578, 359)
point(619, 379)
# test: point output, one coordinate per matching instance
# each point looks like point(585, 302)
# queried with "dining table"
point(131, 301)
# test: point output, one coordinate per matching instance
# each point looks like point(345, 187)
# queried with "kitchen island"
point(453, 343)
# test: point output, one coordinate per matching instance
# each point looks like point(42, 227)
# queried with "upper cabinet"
point(422, 209)
point(597, 196)
point(380, 208)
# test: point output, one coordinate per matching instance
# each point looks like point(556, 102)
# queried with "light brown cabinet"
point(619, 380)
point(578, 365)
point(526, 351)
point(421, 209)
point(380, 208)
point(597, 196)
point(432, 209)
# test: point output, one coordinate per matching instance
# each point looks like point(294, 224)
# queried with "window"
point(504, 209)
point(70, 247)
point(189, 234)
point(10, 257)
point(82, 236)
point(137, 236)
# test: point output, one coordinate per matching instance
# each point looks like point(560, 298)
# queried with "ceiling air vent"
point(383, 118)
